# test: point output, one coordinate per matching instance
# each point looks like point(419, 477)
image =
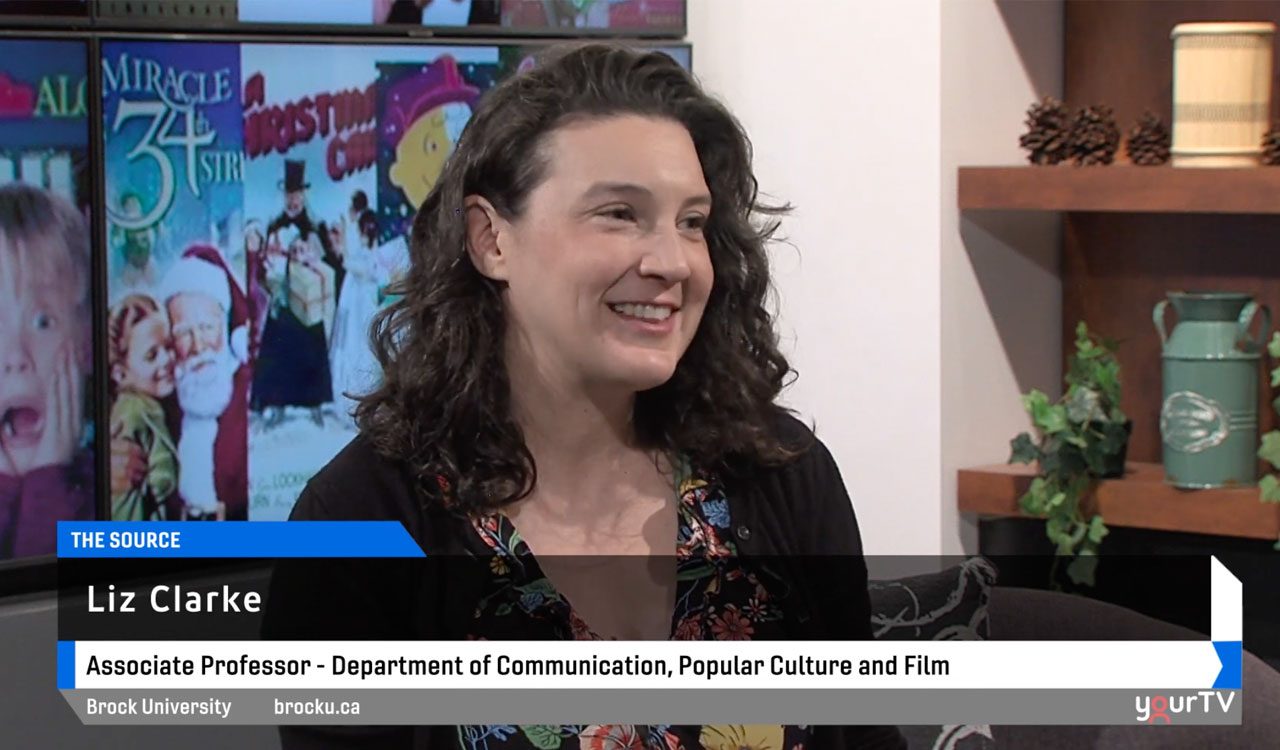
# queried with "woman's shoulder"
point(810, 462)
point(799, 500)
point(359, 483)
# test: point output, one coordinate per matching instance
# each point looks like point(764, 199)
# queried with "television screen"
point(641, 17)
point(46, 338)
point(257, 201)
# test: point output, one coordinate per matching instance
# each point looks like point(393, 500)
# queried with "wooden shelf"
point(1121, 188)
point(1140, 499)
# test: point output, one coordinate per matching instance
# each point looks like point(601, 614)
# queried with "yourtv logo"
point(1160, 709)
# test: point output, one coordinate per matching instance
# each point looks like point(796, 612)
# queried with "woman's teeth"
point(656, 313)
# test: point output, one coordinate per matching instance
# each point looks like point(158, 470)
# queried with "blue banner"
point(1231, 654)
point(235, 539)
point(66, 665)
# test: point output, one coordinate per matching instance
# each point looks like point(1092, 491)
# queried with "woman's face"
point(608, 270)
point(149, 363)
point(253, 241)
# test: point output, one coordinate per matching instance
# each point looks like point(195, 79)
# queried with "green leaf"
point(1054, 420)
point(1084, 405)
point(1275, 377)
point(1083, 570)
point(1270, 488)
point(1023, 450)
point(543, 736)
point(1097, 530)
point(1034, 501)
point(1088, 350)
point(1274, 346)
point(1067, 540)
point(1051, 458)
point(1035, 402)
point(1270, 448)
point(1096, 460)
point(1105, 375)
point(1056, 530)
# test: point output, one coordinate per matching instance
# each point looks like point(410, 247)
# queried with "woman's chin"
point(644, 373)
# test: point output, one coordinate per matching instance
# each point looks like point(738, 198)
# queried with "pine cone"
point(1048, 130)
point(1149, 141)
point(1094, 136)
point(1271, 147)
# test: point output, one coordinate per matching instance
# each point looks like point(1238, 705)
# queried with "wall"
point(1001, 291)
point(841, 100)
point(914, 331)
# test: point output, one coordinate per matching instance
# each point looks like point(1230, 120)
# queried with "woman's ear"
point(485, 230)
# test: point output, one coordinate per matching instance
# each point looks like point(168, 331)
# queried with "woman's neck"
point(571, 428)
point(591, 473)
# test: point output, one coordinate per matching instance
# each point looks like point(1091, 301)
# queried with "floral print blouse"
point(716, 598)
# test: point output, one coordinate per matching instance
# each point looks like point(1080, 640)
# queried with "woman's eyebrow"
point(634, 191)
point(616, 189)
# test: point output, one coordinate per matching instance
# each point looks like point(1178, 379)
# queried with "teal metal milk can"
point(1209, 416)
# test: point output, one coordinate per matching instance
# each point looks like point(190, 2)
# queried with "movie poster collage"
point(257, 201)
point(253, 213)
point(257, 198)
point(638, 16)
point(46, 335)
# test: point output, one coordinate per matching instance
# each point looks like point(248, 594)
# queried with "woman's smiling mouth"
point(639, 311)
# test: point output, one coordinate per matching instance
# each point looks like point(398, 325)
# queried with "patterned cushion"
point(947, 605)
point(944, 606)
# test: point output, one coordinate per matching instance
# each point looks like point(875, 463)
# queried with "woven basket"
point(1221, 93)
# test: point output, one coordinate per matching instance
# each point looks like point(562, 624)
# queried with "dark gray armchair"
point(1021, 614)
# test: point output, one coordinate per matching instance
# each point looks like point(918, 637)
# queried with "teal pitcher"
point(1209, 417)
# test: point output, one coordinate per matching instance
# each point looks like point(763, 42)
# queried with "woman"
point(582, 367)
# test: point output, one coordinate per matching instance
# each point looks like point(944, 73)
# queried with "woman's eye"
point(619, 213)
point(42, 321)
point(695, 223)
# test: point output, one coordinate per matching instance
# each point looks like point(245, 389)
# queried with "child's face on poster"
point(43, 350)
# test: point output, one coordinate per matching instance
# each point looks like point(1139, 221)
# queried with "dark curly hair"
point(443, 406)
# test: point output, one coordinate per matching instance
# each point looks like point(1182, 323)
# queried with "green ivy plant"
point(1270, 449)
point(1081, 437)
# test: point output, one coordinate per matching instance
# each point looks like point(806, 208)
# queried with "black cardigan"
point(799, 513)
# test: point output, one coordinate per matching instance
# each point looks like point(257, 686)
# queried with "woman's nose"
point(665, 256)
